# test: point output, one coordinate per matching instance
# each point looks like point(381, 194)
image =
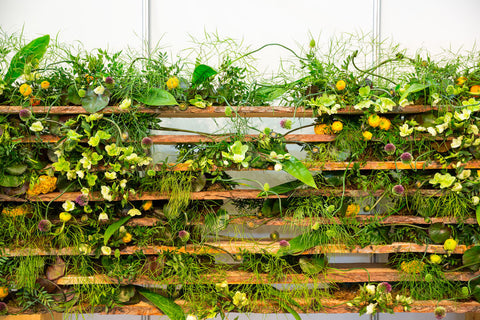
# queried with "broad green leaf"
point(271, 93)
point(477, 214)
point(93, 102)
point(294, 167)
point(301, 243)
point(114, 227)
point(365, 104)
point(72, 95)
point(10, 181)
point(282, 188)
point(201, 73)
point(413, 88)
point(30, 53)
point(157, 97)
point(167, 306)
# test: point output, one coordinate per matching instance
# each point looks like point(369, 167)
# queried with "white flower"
point(371, 308)
point(462, 116)
point(226, 163)
point(237, 158)
point(475, 200)
point(273, 155)
point(476, 142)
point(125, 104)
point(103, 216)
point(110, 175)
point(71, 174)
point(123, 183)
point(84, 248)
point(370, 289)
point(464, 175)
point(106, 250)
point(132, 158)
point(68, 206)
point(472, 129)
point(191, 317)
point(278, 167)
point(420, 128)
point(99, 90)
point(442, 127)
point(37, 126)
point(457, 142)
point(85, 191)
point(86, 163)
point(432, 131)
point(134, 212)
point(106, 194)
point(457, 187)
point(405, 131)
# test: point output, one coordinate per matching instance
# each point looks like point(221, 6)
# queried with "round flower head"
point(398, 189)
point(439, 312)
point(147, 142)
point(184, 235)
point(385, 286)
point(406, 157)
point(109, 80)
point(284, 243)
point(286, 124)
point(3, 306)
point(390, 148)
point(44, 225)
point(25, 114)
point(81, 200)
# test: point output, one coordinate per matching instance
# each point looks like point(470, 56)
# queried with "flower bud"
point(25, 114)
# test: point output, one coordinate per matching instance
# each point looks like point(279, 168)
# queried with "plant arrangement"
point(88, 217)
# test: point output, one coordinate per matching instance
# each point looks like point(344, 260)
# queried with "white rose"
point(370, 289)
point(278, 167)
point(99, 90)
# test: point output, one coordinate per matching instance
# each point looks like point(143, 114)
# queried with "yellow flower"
point(25, 90)
point(322, 129)
point(373, 120)
point(337, 126)
point(65, 216)
point(44, 184)
point(461, 80)
point(367, 135)
point(435, 259)
point(240, 299)
point(172, 83)
point(450, 245)
point(20, 210)
point(147, 205)
point(352, 210)
point(3, 292)
point(340, 85)
point(384, 124)
point(45, 84)
point(413, 266)
point(127, 238)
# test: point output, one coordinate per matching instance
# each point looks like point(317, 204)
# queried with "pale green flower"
point(106, 193)
point(68, 206)
point(240, 299)
point(99, 90)
point(134, 212)
point(457, 187)
point(37, 126)
point(405, 131)
point(110, 175)
point(370, 289)
point(457, 142)
point(125, 104)
point(464, 174)
point(445, 180)
point(112, 150)
point(106, 250)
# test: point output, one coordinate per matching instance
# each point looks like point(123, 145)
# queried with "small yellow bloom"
point(435, 259)
point(3, 292)
point(45, 84)
point(450, 245)
point(367, 135)
point(460, 81)
point(25, 90)
point(384, 124)
point(374, 120)
point(337, 126)
point(352, 210)
point(65, 216)
point(340, 85)
point(127, 238)
point(147, 205)
point(172, 83)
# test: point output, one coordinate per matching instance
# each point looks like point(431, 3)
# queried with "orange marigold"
point(384, 124)
point(374, 120)
point(25, 90)
point(322, 129)
point(337, 126)
point(44, 184)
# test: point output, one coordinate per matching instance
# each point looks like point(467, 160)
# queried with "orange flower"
point(34, 101)
point(25, 90)
point(460, 81)
point(352, 210)
point(127, 238)
point(322, 129)
point(172, 83)
point(384, 124)
point(373, 120)
point(45, 84)
point(475, 90)
point(44, 184)
point(340, 85)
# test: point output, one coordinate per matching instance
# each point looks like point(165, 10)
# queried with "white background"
point(435, 25)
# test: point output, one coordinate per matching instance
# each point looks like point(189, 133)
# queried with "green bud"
point(228, 111)
point(81, 93)
point(312, 43)
point(330, 208)
point(266, 187)
point(428, 277)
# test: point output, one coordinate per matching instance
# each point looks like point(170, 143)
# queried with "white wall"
point(117, 24)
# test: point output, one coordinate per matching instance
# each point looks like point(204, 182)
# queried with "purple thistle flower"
point(147, 142)
point(390, 148)
point(406, 157)
point(25, 114)
point(3, 307)
point(387, 287)
point(286, 124)
point(44, 225)
point(109, 80)
point(440, 312)
point(284, 243)
point(81, 200)
point(184, 235)
point(398, 189)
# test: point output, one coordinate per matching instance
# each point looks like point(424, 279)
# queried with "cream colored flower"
point(370, 288)
point(125, 104)
point(371, 308)
point(106, 250)
point(457, 142)
point(99, 90)
point(68, 205)
point(278, 167)
point(464, 175)
point(134, 212)
point(111, 175)
point(37, 126)
point(405, 131)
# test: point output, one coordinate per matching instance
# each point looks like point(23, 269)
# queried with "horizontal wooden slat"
point(211, 112)
point(336, 273)
point(216, 195)
point(235, 247)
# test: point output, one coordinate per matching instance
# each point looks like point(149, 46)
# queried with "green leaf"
point(114, 227)
point(271, 93)
point(93, 102)
point(414, 88)
point(477, 214)
point(157, 97)
point(294, 167)
point(282, 188)
point(301, 243)
point(31, 53)
point(10, 181)
point(72, 95)
point(364, 91)
point(201, 73)
point(167, 306)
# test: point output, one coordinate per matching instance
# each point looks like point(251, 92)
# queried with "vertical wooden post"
point(472, 316)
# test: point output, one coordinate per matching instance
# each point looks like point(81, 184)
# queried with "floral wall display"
point(389, 163)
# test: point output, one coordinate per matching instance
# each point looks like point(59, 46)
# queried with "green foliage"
point(167, 306)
